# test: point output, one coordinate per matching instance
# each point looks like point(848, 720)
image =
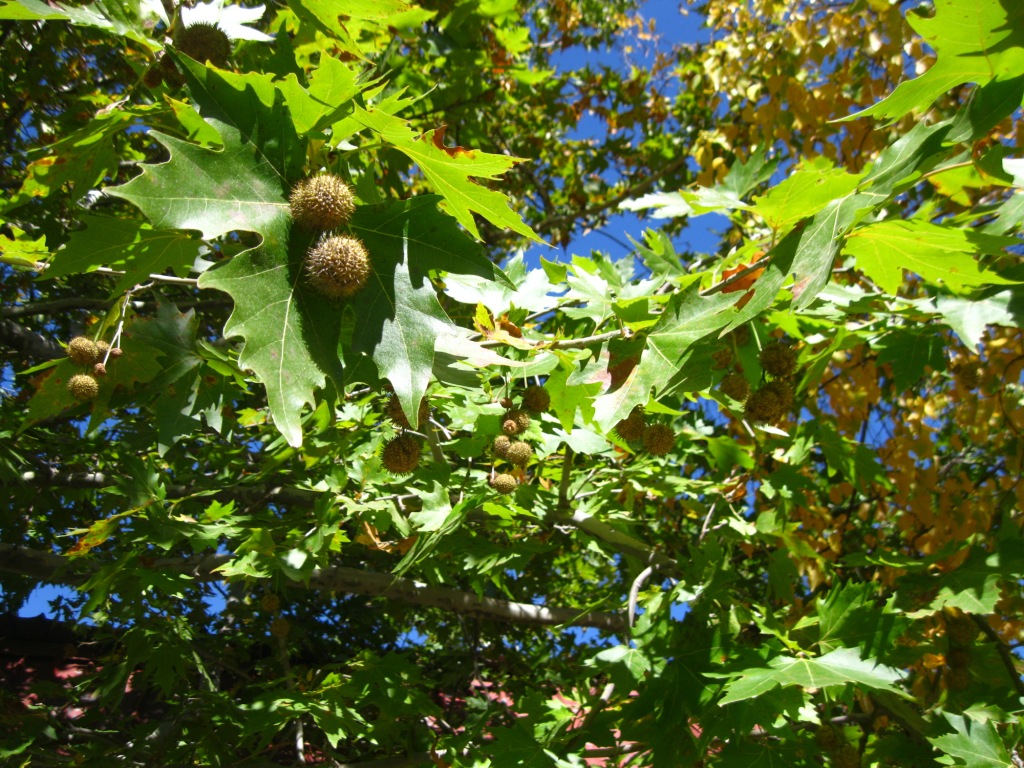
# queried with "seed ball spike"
point(83, 387)
point(519, 454)
point(536, 399)
point(204, 42)
point(632, 427)
point(322, 202)
point(401, 455)
point(83, 351)
point(338, 266)
point(659, 439)
point(501, 445)
point(504, 484)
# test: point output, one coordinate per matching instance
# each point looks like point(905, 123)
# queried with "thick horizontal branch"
point(49, 567)
point(28, 342)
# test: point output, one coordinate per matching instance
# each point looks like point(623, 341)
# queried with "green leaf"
point(291, 333)
point(974, 586)
point(937, 253)
point(630, 660)
point(819, 243)
point(803, 194)
point(852, 616)
point(212, 192)
point(131, 246)
point(911, 354)
point(975, 41)
point(839, 667)
point(976, 744)
point(968, 317)
point(688, 318)
point(451, 170)
point(398, 317)
point(122, 17)
point(81, 160)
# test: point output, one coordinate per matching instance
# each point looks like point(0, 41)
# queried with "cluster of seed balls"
point(774, 397)
point(514, 422)
point(338, 265)
point(657, 439)
point(92, 355)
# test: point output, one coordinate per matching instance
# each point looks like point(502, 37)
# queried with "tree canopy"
point(348, 455)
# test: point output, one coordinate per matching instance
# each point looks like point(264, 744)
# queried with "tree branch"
point(28, 342)
point(53, 568)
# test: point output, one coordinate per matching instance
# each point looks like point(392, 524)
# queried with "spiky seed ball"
point(763, 406)
point(99, 370)
point(515, 422)
point(116, 352)
point(501, 445)
point(659, 439)
point(778, 360)
point(393, 410)
point(83, 387)
point(204, 42)
point(401, 455)
point(827, 738)
point(322, 202)
point(632, 427)
point(846, 757)
point(783, 390)
point(504, 484)
point(338, 266)
point(536, 399)
point(270, 603)
point(506, 402)
point(736, 386)
point(83, 351)
point(519, 453)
